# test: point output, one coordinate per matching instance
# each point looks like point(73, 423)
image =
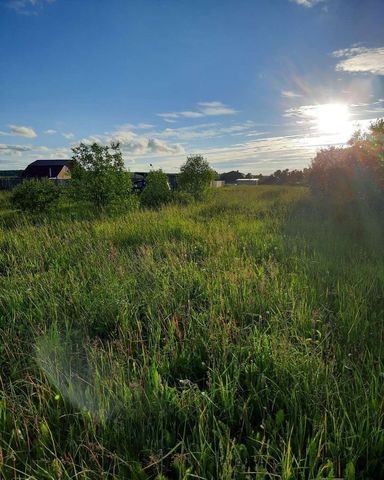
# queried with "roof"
point(45, 168)
point(146, 173)
point(50, 163)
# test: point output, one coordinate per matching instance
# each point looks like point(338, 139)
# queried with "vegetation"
point(342, 176)
point(196, 176)
point(35, 195)
point(99, 175)
point(239, 338)
point(279, 177)
point(156, 191)
point(285, 177)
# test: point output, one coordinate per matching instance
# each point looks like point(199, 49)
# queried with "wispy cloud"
point(290, 94)
point(27, 7)
point(50, 131)
point(361, 60)
point(137, 126)
point(23, 154)
point(205, 131)
point(307, 3)
point(19, 131)
point(203, 109)
point(14, 149)
point(216, 108)
point(69, 135)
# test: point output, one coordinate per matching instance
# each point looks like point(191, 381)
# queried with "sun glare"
point(332, 118)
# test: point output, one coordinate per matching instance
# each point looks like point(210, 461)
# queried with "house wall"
point(217, 183)
point(64, 174)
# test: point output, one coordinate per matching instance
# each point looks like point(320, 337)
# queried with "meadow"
point(236, 338)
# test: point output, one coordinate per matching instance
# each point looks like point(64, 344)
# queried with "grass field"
point(238, 338)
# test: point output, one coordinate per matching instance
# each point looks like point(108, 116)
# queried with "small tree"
point(156, 191)
point(99, 175)
point(195, 176)
point(35, 195)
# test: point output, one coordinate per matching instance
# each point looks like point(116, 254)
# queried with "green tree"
point(156, 191)
point(35, 195)
point(371, 145)
point(99, 174)
point(195, 176)
point(351, 174)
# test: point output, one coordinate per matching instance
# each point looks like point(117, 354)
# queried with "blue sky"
point(253, 85)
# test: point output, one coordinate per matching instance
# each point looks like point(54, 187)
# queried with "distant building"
point(247, 181)
point(231, 177)
point(217, 183)
point(52, 169)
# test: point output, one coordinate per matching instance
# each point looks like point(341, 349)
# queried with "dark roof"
point(146, 173)
point(45, 168)
point(50, 163)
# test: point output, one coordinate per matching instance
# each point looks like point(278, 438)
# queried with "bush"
point(99, 175)
point(195, 176)
point(156, 191)
point(35, 195)
point(182, 198)
point(341, 176)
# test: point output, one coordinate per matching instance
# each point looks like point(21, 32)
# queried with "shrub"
point(35, 195)
point(343, 176)
point(195, 176)
point(99, 175)
point(182, 198)
point(156, 191)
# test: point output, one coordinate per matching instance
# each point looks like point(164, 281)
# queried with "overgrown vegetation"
point(99, 175)
point(195, 176)
point(157, 191)
point(239, 338)
point(35, 195)
point(341, 176)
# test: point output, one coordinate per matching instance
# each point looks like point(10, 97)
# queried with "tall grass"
point(239, 338)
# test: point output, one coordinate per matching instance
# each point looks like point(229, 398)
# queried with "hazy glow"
point(333, 118)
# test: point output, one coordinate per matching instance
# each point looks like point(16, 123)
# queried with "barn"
point(52, 169)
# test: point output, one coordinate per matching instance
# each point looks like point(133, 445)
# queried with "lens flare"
point(332, 118)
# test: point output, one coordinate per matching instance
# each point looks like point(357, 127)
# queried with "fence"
point(9, 183)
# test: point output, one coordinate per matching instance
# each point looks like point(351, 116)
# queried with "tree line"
point(99, 178)
point(279, 177)
point(336, 175)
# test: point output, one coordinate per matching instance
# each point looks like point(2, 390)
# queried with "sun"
point(332, 118)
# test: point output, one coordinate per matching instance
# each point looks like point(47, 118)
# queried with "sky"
point(254, 86)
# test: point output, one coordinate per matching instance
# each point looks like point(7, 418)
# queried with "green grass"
point(238, 338)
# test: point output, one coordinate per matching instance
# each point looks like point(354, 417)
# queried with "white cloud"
point(204, 131)
point(307, 3)
point(14, 148)
point(289, 94)
point(216, 108)
point(20, 131)
point(159, 146)
point(204, 109)
point(27, 7)
point(137, 126)
point(191, 114)
point(135, 145)
point(18, 156)
point(68, 135)
point(361, 60)
point(169, 115)
point(50, 131)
